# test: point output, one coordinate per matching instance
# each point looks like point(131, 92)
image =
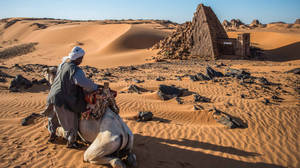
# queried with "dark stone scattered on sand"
point(179, 100)
point(239, 74)
point(135, 88)
point(29, 119)
point(4, 75)
point(160, 78)
point(202, 77)
point(266, 101)
point(198, 98)
point(138, 81)
point(294, 71)
point(107, 74)
point(18, 82)
point(90, 75)
point(40, 26)
point(193, 78)
point(2, 80)
point(247, 80)
point(211, 73)
point(132, 68)
point(88, 69)
point(198, 107)
point(243, 96)
point(226, 119)
point(264, 81)
point(198, 77)
point(276, 98)
point(168, 92)
point(145, 116)
point(220, 65)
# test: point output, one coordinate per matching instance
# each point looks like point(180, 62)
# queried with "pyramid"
point(196, 39)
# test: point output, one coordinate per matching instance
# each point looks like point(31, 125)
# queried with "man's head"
point(76, 55)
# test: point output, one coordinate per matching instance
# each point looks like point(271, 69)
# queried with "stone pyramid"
point(196, 39)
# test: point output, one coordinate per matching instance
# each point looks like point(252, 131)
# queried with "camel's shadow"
point(155, 152)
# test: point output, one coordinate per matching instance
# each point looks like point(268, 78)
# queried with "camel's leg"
point(104, 144)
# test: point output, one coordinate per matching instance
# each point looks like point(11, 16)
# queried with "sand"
point(179, 136)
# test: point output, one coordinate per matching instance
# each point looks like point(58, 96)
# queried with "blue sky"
point(175, 10)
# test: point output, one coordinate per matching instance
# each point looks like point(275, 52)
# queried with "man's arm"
point(81, 80)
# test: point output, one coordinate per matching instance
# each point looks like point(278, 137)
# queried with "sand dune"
point(178, 136)
point(278, 46)
point(105, 45)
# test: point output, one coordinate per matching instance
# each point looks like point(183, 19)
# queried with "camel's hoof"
point(117, 163)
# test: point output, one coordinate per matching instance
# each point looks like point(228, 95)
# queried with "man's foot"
point(52, 138)
point(74, 145)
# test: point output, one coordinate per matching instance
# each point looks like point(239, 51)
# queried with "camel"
point(107, 136)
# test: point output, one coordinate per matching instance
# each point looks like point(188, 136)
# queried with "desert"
point(259, 96)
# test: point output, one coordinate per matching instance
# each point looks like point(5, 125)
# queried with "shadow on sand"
point(286, 53)
point(155, 152)
point(289, 52)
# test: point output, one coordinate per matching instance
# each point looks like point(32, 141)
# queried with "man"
point(66, 97)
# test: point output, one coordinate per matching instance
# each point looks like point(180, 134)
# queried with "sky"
point(178, 11)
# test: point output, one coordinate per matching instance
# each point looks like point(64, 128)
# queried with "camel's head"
point(50, 74)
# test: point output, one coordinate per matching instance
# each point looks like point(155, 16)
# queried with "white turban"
point(76, 53)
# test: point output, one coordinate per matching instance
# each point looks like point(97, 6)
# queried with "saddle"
point(98, 101)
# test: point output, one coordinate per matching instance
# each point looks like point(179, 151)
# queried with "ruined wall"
point(243, 45)
point(227, 46)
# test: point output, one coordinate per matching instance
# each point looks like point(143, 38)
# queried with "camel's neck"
point(89, 129)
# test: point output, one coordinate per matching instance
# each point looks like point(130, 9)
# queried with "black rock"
point(107, 74)
point(276, 98)
point(193, 78)
point(264, 81)
point(266, 101)
point(239, 74)
point(4, 75)
point(294, 71)
point(138, 81)
point(27, 120)
point(145, 116)
point(179, 78)
point(2, 80)
point(160, 78)
point(243, 96)
point(226, 119)
point(249, 80)
point(220, 65)
point(90, 75)
point(198, 107)
point(20, 81)
point(134, 88)
point(179, 100)
point(132, 68)
point(198, 98)
point(202, 77)
point(168, 92)
point(211, 73)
